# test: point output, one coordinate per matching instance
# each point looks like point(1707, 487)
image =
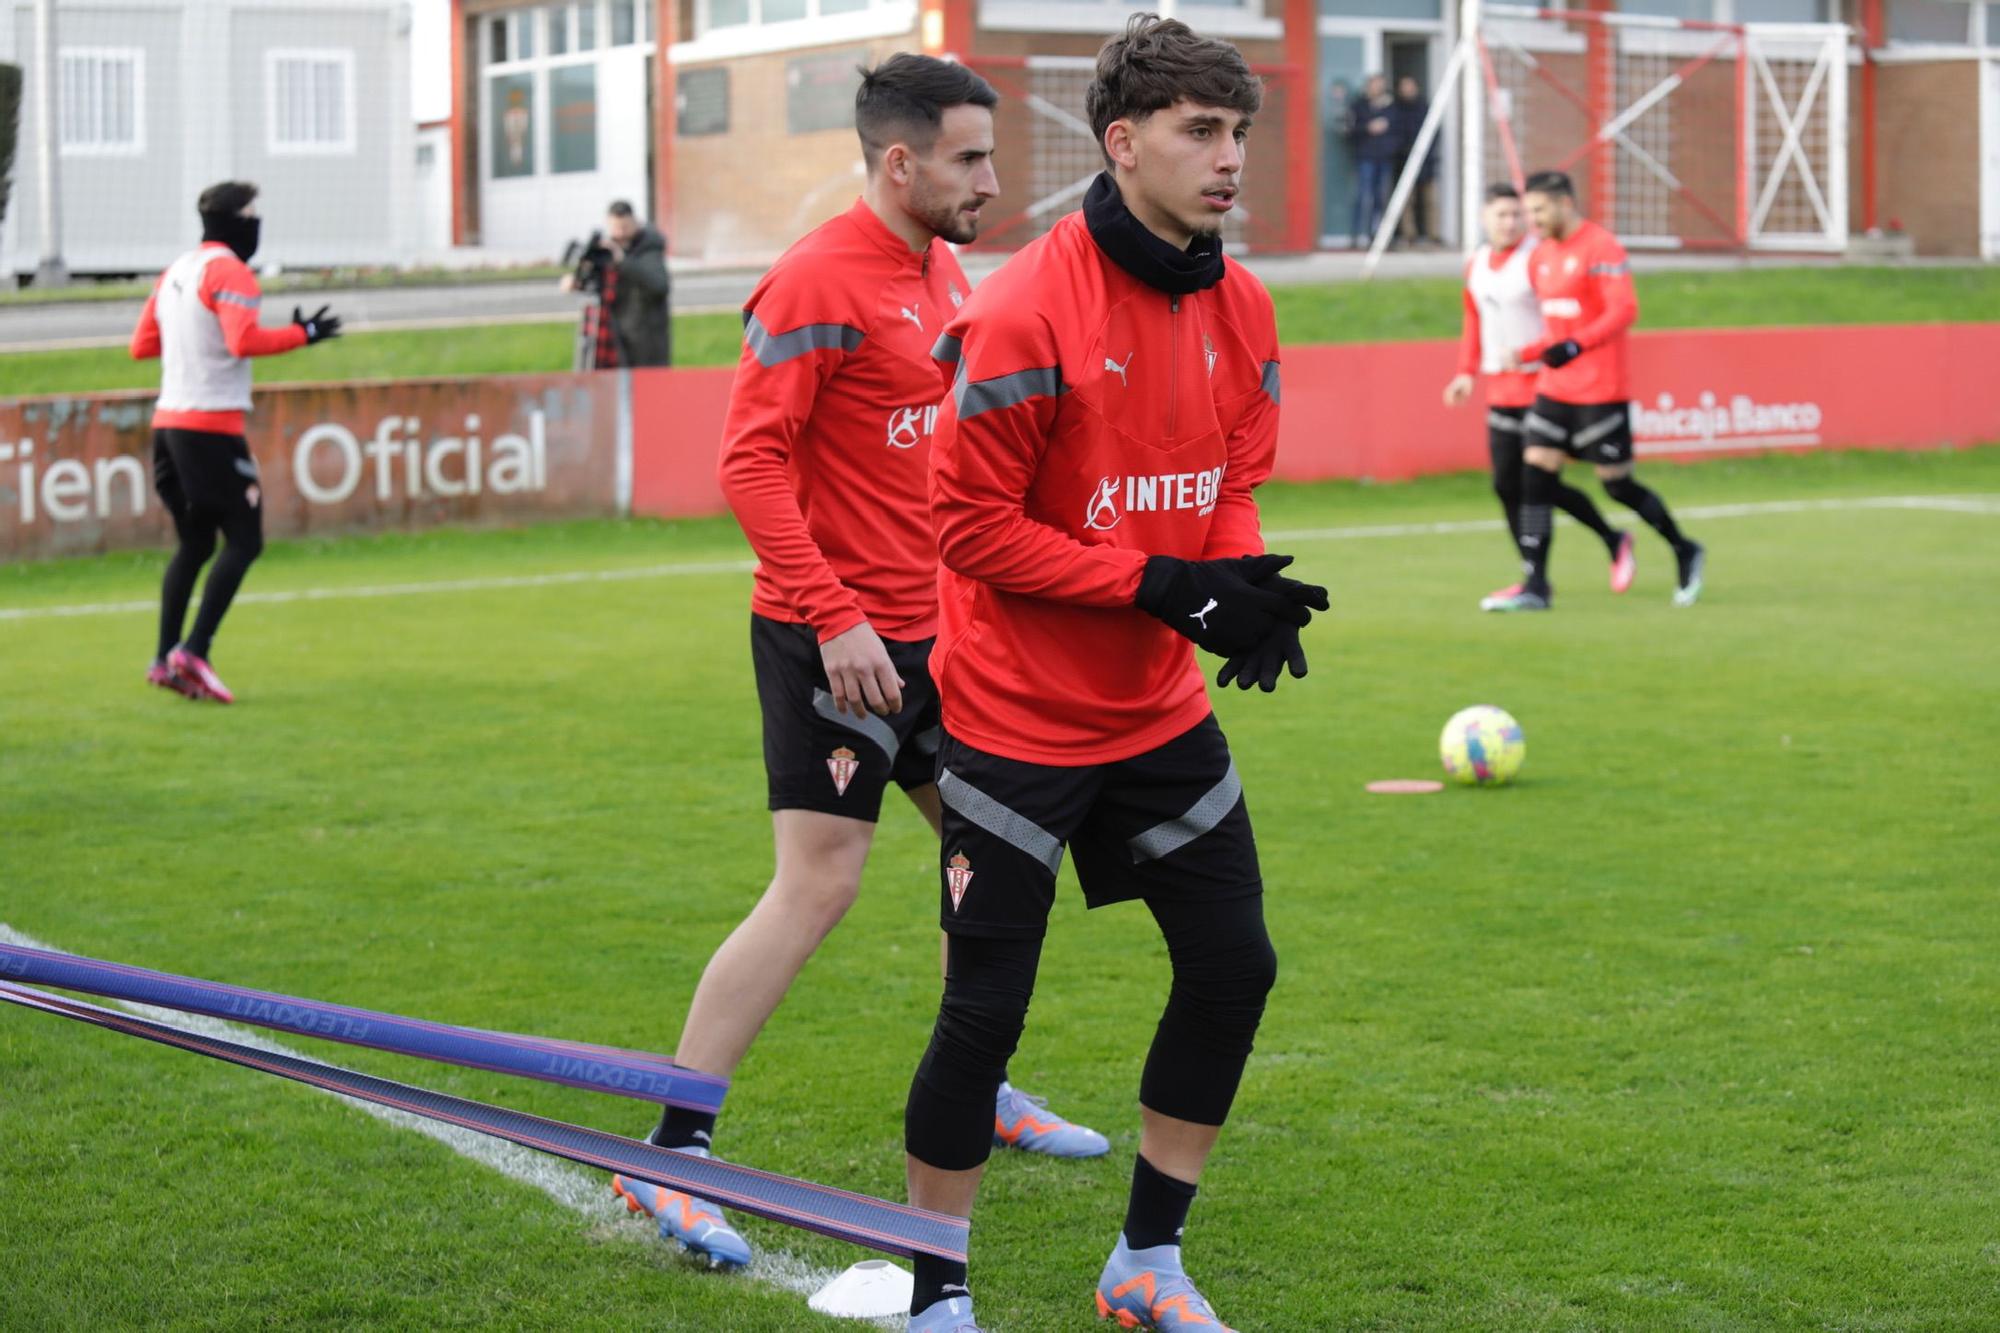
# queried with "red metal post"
point(460, 156)
point(1601, 88)
point(1302, 127)
point(665, 119)
point(1872, 37)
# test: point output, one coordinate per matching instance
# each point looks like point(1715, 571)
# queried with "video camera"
point(587, 261)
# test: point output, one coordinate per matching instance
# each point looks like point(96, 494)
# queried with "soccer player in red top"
point(1582, 406)
point(1114, 406)
point(201, 321)
point(1501, 316)
point(825, 461)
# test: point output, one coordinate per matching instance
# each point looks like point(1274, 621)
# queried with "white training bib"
point(1510, 318)
point(197, 372)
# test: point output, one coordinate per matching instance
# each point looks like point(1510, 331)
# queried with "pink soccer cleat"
point(200, 675)
point(167, 678)
point(1625, 564)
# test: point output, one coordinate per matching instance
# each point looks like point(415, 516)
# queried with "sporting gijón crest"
point(842, 765)
point(958, 878)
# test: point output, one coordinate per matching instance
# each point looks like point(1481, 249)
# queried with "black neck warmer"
point(238, 233)
point(1142, 254)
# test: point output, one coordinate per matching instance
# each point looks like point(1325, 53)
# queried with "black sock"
point(177, 589)
point(1538, 533)
point(1584, 510)
point(936, 1279)
point(1510, 505)
point(1159, 1207)
point(1648, 505)
point(225, 576)
point(682, 1128)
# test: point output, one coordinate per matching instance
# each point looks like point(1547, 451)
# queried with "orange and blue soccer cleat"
point(953, 1314)
point(696, 1225)
point(1024, 1122)
point(1147, 1289)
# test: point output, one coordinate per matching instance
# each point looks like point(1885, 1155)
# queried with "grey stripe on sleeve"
point(1270, 384)
point(976, 396)
point(947, 349)
point(1165, 839)
point(238, 298)
point(1002, 822)
point(776, 349)
point(869, 725)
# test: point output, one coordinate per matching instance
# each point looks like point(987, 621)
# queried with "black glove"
point(1219, 603)
point(1560, 355)
point(319, 325)
point(1262, 663)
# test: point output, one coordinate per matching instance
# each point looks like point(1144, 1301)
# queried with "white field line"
point(1950, 504)
point(582, 1192)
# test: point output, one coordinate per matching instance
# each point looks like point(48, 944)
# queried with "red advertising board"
point(76, 473)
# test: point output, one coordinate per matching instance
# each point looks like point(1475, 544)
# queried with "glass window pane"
point(573, 117)
point(780, 11)
point(841, 6)
point(559, 30)
point(728, 13)
point(1993, 25)
point(586, 26)
point(1781, 11)
point(498, 27)
point(525, 23)
point(1930, 21)
point(621, 22)
point(1389, 9)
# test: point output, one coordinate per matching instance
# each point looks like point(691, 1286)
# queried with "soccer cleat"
point(1521, 599)
point(1692, 557)
point(167, 678)
point(1024, 1122)
point(1147, 1289)
point(1491, 601)
point(200, 675)
point(953, 1314)
point(694, 1224)
point(1624, 563)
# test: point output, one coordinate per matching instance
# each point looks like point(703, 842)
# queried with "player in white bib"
point(201, 321)
point(1502, 314)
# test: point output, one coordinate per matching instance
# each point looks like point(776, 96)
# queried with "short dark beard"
point(943, 220)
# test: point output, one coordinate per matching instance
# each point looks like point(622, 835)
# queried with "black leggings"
point(1224, 966)
point(208, 483)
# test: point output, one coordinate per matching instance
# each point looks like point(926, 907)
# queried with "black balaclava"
point(1142, 254)
point(233, 230)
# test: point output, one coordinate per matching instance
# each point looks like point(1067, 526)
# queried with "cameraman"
point(629, 274)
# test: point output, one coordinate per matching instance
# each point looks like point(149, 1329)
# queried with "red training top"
point(827, 442)
point(1585, 285)
point(1094, 421)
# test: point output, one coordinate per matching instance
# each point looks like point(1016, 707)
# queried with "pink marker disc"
point(1405, 787)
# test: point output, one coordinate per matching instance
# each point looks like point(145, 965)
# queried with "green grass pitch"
point(1692, 1028)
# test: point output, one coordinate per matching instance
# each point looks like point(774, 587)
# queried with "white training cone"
point(869, 1290)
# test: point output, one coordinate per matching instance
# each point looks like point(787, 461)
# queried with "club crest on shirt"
point(958, 878)
point(842, 765)
point(1208, 354)
point(956, 299)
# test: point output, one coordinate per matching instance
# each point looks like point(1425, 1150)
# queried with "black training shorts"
point(1599, 433)
point(1167, 824)
point(818, 758)
point(206, 479)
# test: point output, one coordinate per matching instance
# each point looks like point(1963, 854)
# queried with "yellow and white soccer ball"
point(1482, 746)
